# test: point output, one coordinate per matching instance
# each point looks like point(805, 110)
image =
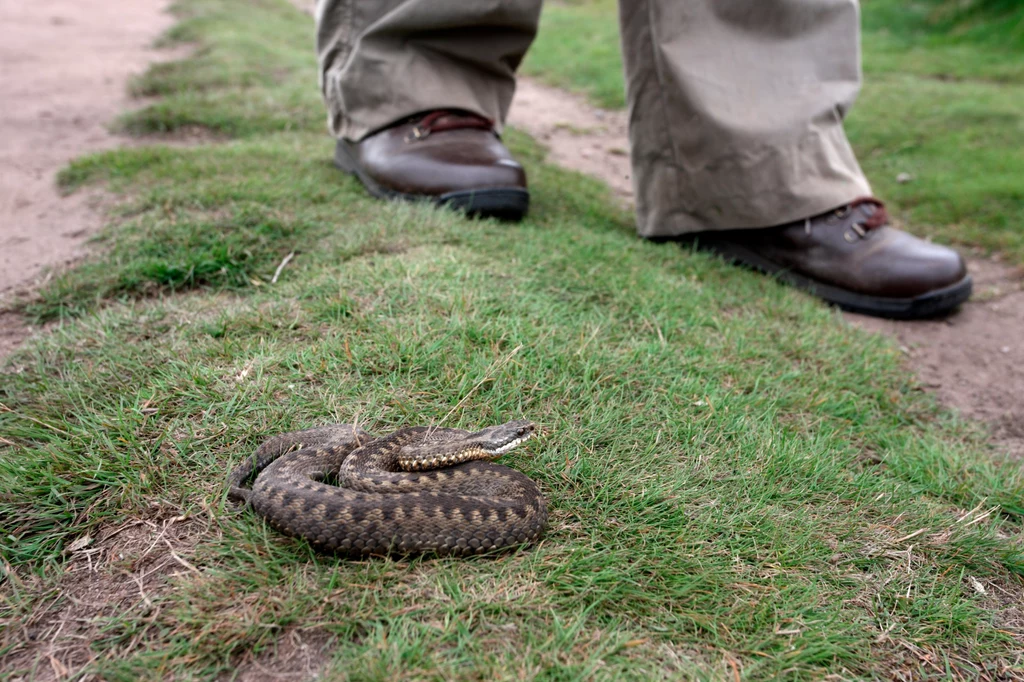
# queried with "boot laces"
point(859, 229)
point(446, 119)
point(878, 217)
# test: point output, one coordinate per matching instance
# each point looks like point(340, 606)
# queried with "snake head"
point(447, 448)
point(497, 440)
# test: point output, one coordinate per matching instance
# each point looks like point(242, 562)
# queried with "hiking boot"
point(852, 257)
point(451, 158)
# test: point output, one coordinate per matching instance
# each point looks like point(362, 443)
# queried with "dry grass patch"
point(297, 654)
point(123, 570)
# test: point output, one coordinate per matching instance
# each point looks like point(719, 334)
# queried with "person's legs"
point(385, 60)
point(735, 111)
point(416, 91)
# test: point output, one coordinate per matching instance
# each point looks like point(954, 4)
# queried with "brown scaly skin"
point(417, 490)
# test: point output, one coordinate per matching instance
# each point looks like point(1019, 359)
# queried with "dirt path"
point(973, 361)
point(66, 64)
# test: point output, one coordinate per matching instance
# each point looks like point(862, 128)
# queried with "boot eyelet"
point(837, 214)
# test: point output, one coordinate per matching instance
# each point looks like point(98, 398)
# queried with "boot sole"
point(932, 304)
point(504, 203)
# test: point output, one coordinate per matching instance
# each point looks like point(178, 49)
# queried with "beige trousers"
point(735, 106)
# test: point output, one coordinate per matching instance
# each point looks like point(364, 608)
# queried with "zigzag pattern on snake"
point(418, 489)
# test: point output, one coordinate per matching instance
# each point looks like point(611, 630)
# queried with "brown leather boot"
point(452, 158)
point(851, 257)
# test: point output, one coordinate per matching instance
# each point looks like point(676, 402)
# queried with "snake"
point(417, 490)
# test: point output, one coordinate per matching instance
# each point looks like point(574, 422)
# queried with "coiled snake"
point(419, 489)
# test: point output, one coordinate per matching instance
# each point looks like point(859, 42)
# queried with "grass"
point(943, 101)
point(740, 484)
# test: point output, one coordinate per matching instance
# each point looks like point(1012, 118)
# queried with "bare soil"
point(973, 360)
point(297, 655)
point(124, 569)
point(66, 64)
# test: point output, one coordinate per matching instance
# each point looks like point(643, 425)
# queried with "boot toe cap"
point(911, 267)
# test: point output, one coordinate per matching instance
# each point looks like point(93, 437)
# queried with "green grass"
point(739, 482)
point(945, 24)
point(943, 100)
